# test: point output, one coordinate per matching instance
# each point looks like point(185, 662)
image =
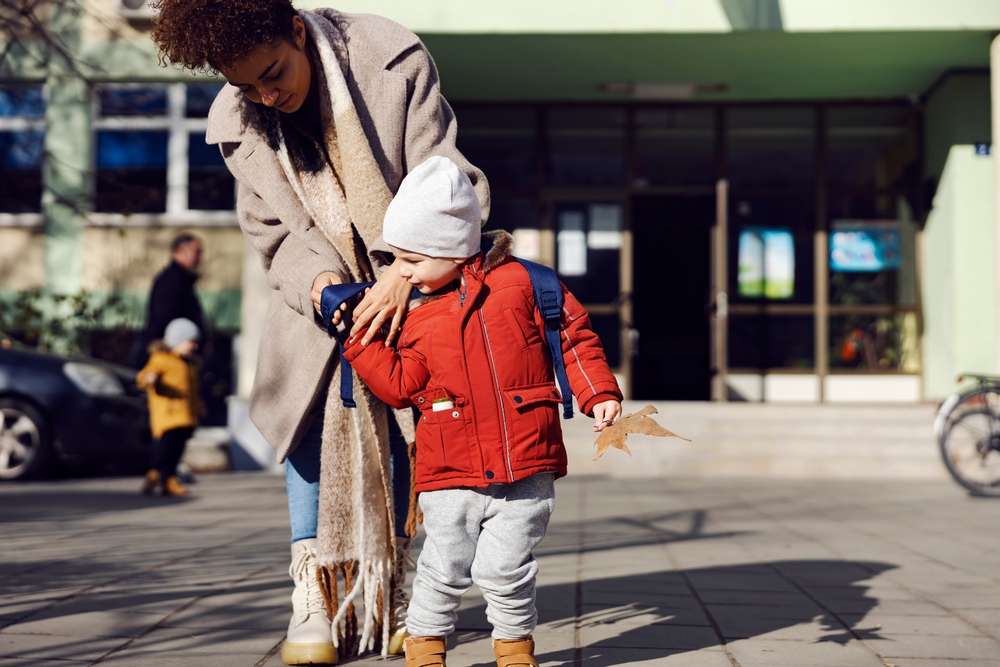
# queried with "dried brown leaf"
point(640, 423)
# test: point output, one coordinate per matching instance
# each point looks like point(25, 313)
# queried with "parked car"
point(72, 409)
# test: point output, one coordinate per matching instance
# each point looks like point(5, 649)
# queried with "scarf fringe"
point(370, 585)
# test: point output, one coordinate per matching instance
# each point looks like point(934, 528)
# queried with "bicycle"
point(967, 428)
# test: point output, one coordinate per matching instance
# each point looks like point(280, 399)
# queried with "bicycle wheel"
point(971, 450)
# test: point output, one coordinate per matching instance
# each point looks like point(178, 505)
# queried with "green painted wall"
point(753, 65)
point(957, 112)
point(959, 280)
point(601, 16)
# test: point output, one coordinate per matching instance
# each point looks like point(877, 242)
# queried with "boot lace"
point(307, 597)
point(401, 601)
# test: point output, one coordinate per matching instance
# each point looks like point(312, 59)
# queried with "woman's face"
point(275, 75)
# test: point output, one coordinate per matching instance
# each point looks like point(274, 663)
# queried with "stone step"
point(814, 441)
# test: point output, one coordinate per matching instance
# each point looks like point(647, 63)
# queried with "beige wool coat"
point(395, 89)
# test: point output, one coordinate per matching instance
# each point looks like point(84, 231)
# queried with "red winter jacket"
point(485, 351)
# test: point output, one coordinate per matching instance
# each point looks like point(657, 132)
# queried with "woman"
point(324, 114)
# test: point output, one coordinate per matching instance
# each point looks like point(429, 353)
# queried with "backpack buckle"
point(550, 309)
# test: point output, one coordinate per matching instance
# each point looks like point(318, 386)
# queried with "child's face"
point(427, 274)
point(186, 349)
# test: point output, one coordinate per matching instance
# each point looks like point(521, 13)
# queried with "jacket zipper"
point(503, 411)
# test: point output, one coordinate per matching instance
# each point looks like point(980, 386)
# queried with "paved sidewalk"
point(633, 572)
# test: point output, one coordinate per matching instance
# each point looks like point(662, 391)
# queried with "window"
point(871, 147)
point(22, 149)
point(586, 146)
point(588, 250)
point(151, 151)
point(502, 141)
point(771, 147)
point(675, 147)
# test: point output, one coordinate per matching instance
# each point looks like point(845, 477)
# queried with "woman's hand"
point(606, 414)
point(323, 280)
point(389, 297)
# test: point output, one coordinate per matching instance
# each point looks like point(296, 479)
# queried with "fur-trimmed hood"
point(499, 247)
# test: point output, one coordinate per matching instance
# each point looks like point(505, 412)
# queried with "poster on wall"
point(766, 263)
point(571, 244)
point(864, 245)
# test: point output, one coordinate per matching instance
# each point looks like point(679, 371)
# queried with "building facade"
point(756, 200)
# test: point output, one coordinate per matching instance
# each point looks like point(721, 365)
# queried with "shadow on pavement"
point(644, 617)
point(48, 504)
point(621, 532)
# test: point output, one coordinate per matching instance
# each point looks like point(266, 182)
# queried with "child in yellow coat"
point(170, 378)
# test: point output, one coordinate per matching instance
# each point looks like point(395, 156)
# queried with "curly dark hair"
point(204, 35)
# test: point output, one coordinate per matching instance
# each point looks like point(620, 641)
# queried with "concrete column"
point(995, 88)
point(66, 197)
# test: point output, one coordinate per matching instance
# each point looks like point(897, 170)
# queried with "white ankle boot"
point(402, 601)
point(309, 641)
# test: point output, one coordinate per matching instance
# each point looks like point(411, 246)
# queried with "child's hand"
point(150, 378)
point(606, 414)
point(323, 280)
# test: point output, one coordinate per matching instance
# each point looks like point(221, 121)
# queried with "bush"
point(62, 323)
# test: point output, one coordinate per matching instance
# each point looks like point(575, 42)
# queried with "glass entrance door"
point(590, 244)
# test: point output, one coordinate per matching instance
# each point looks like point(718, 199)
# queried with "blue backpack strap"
point(549, 299)
point(330, 300)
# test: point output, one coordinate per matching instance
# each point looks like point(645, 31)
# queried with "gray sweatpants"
point(482, 536)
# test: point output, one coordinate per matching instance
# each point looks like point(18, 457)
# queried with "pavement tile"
point(911, 625)
point(223, 617)
point(56, 648)
point(194, 640)
point(182, 659)
point(756, 598)
point(646, 632)
point(87, 624)
point(35, 662)
point(598, 656)
point(772, 652)
point(834, 538)
point(938, 646)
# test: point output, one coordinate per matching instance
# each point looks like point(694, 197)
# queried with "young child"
point(170, 378)
point(472, 358)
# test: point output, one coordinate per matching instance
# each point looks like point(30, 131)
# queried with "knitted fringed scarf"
point(343, 190)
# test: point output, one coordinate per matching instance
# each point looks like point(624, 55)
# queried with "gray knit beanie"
point(179, 331)
point(435, 212)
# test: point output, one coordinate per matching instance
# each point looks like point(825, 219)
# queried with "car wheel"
point(24, 440)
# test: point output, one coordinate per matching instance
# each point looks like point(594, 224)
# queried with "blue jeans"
point(302, 480)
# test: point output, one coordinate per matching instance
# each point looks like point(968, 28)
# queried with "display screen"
point(860, 245)
point(766, 263)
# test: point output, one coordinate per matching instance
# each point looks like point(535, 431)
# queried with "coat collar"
point(370, 39)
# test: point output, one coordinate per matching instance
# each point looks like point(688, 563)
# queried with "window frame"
point(27, 124)
point(179, 127)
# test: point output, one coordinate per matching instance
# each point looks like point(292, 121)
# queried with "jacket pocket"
point(525, 397)
point(537, 429)
point(442, 438)
point(515, 328)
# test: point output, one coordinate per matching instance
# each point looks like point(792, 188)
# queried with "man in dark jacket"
point(173, 294)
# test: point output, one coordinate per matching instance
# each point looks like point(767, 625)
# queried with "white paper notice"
point(605, 227)
point(572, 252)
point(528, 244)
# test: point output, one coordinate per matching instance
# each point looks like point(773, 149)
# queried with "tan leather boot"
point(150, 482)
point(425, 651)
point(173, 487)
point(309, 640)
point(511, 652)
